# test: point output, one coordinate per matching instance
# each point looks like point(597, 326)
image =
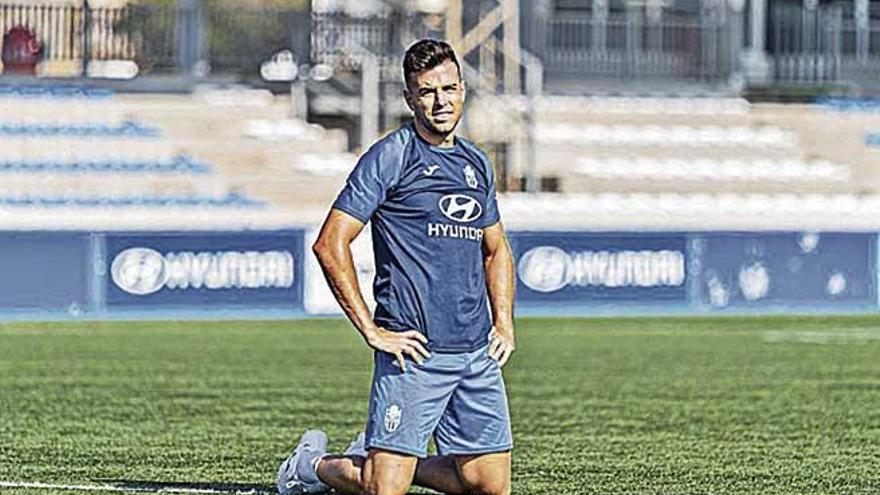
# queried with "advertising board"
point(204, 269)
point(571, 272)
point(46, 271)
point(786, 268)
point(598, 268)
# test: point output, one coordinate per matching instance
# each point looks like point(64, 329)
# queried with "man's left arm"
point(500, 282)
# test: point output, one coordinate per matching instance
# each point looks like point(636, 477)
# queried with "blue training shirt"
point(428, 206)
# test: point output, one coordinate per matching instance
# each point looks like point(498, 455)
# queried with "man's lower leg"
point(439, 473)
point(342, 473)
point(345, 474)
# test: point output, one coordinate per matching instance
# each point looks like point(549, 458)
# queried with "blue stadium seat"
point(180, 164)
point(849, 104)
point(126, 128)
point(236, 200)
point(62, 91)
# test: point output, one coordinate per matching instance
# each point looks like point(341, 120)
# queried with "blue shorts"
point(459, 398)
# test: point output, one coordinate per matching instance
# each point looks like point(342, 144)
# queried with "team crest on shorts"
point(470, 176)
point(392, 418)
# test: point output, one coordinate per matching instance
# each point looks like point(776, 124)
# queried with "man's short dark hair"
point(426, 54)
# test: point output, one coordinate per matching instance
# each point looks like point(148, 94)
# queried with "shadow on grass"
point(207, 487)
point(201, 487)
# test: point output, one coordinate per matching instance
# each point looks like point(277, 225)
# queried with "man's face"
point(436, 97)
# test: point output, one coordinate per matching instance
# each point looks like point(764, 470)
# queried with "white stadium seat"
point(704, 169)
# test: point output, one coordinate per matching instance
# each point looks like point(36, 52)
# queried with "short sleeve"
point(491, 216)
point(368, 184)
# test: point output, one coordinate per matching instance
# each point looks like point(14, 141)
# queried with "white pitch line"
point(123, 489)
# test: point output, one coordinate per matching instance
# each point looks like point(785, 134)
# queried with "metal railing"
point(70, 33)
point(343, 41)
point(630, 46)
point(826, 45)
point(60, 27)
point(162, 37)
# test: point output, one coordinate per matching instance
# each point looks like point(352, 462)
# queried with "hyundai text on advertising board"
point(258, 269)
point(594, 268)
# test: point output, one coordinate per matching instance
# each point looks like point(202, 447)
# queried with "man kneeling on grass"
point(440, 250)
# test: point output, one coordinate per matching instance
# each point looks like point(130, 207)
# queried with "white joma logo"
point(430, 170)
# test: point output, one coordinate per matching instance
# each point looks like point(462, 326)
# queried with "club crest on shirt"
point(392, 418)
point(470, 176)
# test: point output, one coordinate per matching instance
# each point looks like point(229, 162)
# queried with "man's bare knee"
point(489, 487)
point(487, 474)
point(383, 484)
point(387, 473)
point(380, 488)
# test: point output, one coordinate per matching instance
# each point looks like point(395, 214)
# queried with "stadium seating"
point(699, 145)
point(699, 210)
point(89, 154)
point(53, 91)
point(645, 160)
point(280, 130)
point(666, 136)
point(323, 164)
point(650, 105)
point(117, 185)
point(232, 199)
point(712, 170)
point(87, 130)
point(176, 165)
point(847, 104)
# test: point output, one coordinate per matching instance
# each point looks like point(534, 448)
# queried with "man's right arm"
point(333, 250)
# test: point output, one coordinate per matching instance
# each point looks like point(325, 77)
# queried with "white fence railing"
point(826, 45)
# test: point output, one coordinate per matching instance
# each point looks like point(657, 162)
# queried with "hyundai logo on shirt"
point(460, 208)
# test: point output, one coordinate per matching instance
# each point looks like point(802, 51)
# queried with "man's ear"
point(407, 97)
point(463, 91)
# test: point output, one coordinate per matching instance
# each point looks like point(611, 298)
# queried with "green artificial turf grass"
point(608, 406)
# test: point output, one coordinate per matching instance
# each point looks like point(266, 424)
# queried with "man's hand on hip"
point(411, 343)
point(501, 345)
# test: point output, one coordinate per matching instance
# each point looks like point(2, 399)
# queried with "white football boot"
point(356, 447)
point(298, 474)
